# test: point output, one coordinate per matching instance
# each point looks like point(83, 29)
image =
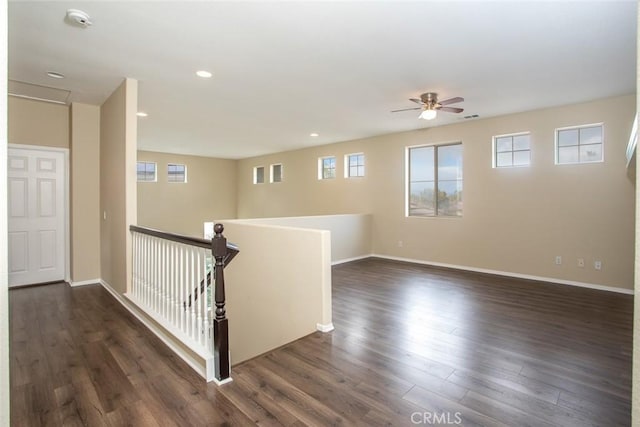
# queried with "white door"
point(36, 192)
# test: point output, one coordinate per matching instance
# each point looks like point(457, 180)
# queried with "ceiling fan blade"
point(451, 109)
point(451, 101)
point(417, 101)
point(407, 109)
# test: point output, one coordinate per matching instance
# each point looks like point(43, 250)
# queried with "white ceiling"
point(285, 69)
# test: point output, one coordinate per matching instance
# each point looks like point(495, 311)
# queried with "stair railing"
point(171, 282)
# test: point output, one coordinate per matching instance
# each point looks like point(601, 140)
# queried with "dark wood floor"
point(412, 345)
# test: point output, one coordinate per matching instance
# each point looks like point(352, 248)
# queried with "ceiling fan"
point(430, 105)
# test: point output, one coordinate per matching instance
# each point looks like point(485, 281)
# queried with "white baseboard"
point(357, 258)
point(219, 383)
point(195, 364)
point(327, 327)
point(510, 274)
point(86, 282)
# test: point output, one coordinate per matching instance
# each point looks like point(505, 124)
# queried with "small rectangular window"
point(258, 175)
point(580, 144)
point(327, 167)
point(146, 172)
point(354, 165)
point(512, 150)
point(176, 173)
point(276, 173)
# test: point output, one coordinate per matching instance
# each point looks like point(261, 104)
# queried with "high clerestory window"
point(580, 144)
point(176, 172)
point(146, 172)
point(512, 150)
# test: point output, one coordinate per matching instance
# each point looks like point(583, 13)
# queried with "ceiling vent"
point(78, 18)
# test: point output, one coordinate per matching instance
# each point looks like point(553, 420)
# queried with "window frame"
point(272, 179)
point(347, 165)
point(407, 192)
point(155, 171)
point(255, 175)
point(321, 168)
point(578, 127)
point(169, 174)
point(512, 151)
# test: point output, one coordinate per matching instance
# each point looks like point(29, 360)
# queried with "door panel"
point(36, 216)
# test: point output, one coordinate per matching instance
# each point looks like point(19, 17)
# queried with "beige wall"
point(38, 123)
point(85, 192)
point(118, 129)
point(350, 234)
point(275, 296)
point(515, 220)
point(210, 192)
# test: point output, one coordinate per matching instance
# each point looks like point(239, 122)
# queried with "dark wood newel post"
point(220, 323)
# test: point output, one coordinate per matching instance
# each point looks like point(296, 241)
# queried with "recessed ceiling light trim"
point(314, 134)
point(55, 75)
point(204, 74)
point(141, 114)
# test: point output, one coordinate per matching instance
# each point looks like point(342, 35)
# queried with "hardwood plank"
point(409, 340)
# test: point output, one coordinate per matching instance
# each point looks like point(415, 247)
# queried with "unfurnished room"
point(367, 213)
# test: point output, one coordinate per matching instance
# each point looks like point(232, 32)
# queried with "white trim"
point(35, 98)
point(85, 282)
point(510, 274)
point(223, 382)
point(67, 199)
point(355, 258)
point(328, 327)
point(200, 368)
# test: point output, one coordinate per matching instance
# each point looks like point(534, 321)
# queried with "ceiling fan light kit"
point(429, 105)
point(428, 114)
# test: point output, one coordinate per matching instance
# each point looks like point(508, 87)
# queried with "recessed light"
point(204, 74)
point(141, 114)
point(55, 75)
point(314, 134)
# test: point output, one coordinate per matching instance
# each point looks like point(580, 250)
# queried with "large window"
point(579, 144)
point(176, 173)
point(511, 150)
point(434, 180)
point(146, 172)
point(326, 167)
point(354, 165)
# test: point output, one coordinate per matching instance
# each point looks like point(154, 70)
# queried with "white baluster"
point(201, 290)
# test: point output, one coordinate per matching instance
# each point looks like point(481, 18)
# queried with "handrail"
point(192, 321)
point(232, 250)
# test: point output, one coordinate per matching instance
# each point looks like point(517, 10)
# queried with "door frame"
point(67, 205)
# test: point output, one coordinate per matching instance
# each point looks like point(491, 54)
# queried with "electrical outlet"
point(558, 260)
point(597, 265)
point(581, 262)
point(400, 244)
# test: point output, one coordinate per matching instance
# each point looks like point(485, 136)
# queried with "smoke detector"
point(79, 18)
